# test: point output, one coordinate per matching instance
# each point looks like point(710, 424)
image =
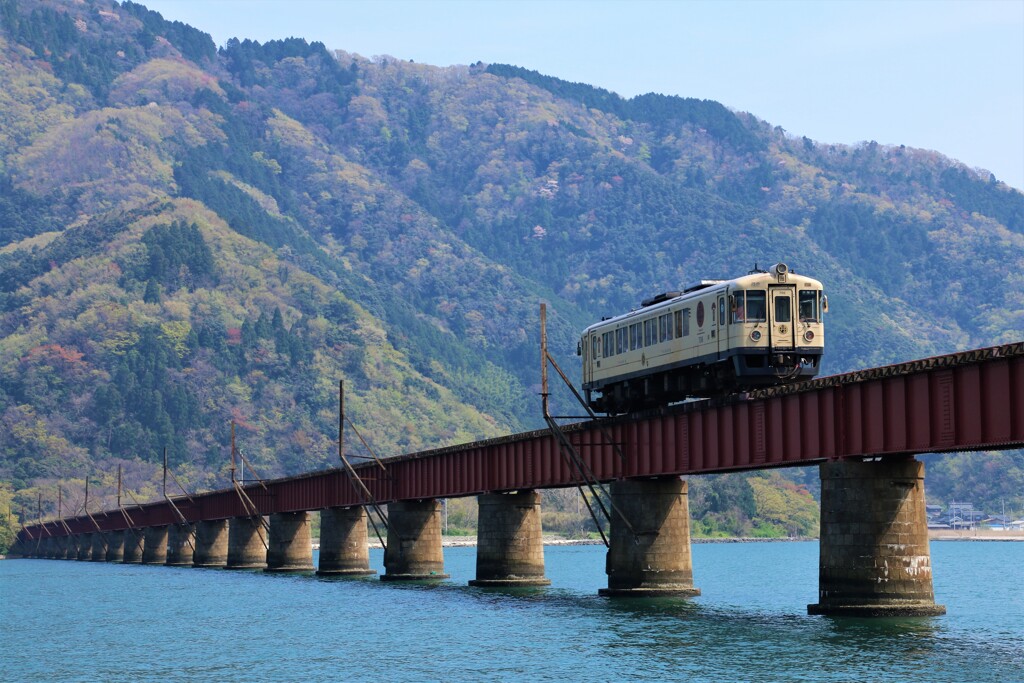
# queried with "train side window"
point(594, 347)
point(809, 305)
point(738, 306)
point(609, 345)
point(686, 322)
point(636, 337)
point(783, 312)
point(678, 324)
point(756, 308)
point(650, 332)
point(665, 327)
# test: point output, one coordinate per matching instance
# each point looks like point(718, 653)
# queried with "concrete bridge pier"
point(344, 547)
point(874, 555)
point(211, 544)
point(115, 546)
point(99, 547)
point(46, 547)
point(154, 548)
point(84, 548)
point(510, 549)
point(414, 550)
point(133, 546)
point(70, 548)
point(246, 549)
point(181, 544)
point(290, 544)
point(652, 558)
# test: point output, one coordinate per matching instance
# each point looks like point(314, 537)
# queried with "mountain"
point(193, 236)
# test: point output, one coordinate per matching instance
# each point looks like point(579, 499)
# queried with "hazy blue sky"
point(942, 75)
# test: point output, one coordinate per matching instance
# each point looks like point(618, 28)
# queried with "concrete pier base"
point(290, 545)
point(653, 558)
point(181, 545)
point(246, 549)
point(344, 547)
point(133, 546)
point(510, 549)
point(414, 550)
point(211, 544)
point(84, 547)
point(115, 546)
point(99, 547)
point(154, 549)
point(874, 555)
point(70, 547)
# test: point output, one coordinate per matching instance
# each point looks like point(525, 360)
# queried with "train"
point(714, 338)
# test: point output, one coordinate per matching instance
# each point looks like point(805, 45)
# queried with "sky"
point(943, 75)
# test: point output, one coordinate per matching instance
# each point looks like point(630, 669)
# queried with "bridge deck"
point(965, 401)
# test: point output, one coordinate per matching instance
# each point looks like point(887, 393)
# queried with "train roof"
point(666, 299)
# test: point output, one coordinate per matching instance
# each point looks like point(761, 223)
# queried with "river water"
point(80, 621)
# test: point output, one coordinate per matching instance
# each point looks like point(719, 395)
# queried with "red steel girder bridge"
point(972, 400)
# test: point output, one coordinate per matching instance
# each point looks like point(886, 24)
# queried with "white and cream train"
point(714, 338)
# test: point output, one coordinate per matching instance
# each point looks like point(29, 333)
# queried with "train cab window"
point(738, 304)
point(756, 308)
point(783, 309)
point(721, 311)
point(594, 347)
point(808, 306)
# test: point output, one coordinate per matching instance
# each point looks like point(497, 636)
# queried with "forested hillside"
point(192, 236)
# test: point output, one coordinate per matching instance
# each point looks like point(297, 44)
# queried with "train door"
point(780, 317)
point(723, 331)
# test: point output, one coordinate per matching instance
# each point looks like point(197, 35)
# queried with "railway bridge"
point(863, 429)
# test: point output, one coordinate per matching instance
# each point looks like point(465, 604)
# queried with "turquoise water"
point(78, 621)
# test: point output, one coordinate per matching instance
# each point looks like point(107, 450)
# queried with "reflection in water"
point(749, 624)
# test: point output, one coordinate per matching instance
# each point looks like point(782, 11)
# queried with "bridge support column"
point(70, 548)
point(653, 557)
point(46, 547)
point(181, 544)
point(290, 544)
point(154, 548)
point(874, 556)
point(414, 550)
point(245, 543)
point(211, 544)
point(133, 544)
point(115, 546)
point(99, 547)
point(510, 549)
point(84, 548)
point(344, 548)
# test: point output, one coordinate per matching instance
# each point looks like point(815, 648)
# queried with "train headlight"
point(808, 336)
point(755, 335)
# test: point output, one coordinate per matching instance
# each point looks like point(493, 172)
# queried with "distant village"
point(966, 516)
